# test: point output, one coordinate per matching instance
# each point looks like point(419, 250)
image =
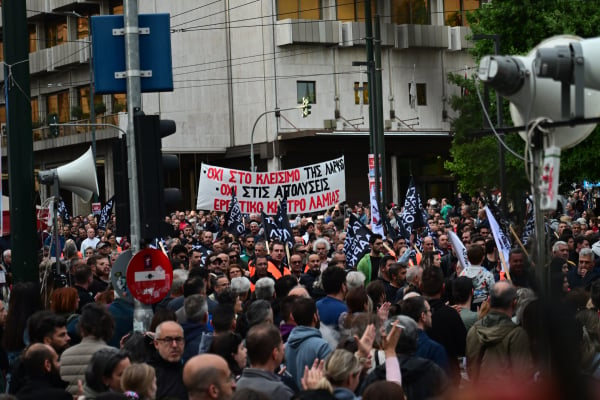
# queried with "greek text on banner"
point(308, 189)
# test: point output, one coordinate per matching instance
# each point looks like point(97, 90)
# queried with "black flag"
point(357, 241)
point(270, 227)
point(233, 219)
point(503, 222)
point(530, 225)
point(63, 212)
point(413, 213)
point(401, 229)
point(106, 212)
point(283, 224)
point(391, 232)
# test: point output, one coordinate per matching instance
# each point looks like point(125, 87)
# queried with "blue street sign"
point(108, 50)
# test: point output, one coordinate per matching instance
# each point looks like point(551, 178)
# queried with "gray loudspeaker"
point(78, 176)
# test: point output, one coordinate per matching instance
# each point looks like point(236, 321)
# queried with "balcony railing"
point(44, 132)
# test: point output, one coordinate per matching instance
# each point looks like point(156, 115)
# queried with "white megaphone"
point(523, 80)
point(78, 176)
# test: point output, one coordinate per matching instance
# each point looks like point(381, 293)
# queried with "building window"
point(119, 103)
point(361, 89)
point(35, 112)
point(299, 9)
point(421, 94)
point(410, 12)
point(306, 89)
point(58, 103)
point(56, 32)
point(455, 11)
point(83, 99)
point(33, 40)
point(353, 10)
point(116, 7)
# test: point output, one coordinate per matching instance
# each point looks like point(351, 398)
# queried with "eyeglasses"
point(169, 340)
point(297, 262)
point(217, 261)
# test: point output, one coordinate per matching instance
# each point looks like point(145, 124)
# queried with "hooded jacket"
point(498, 347)
point(304, 344)
point(193, 333)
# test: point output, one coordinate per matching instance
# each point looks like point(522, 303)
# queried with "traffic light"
point(305, 107)
point(54, 129)
point(151, 165)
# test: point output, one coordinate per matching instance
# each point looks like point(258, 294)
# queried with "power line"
point(216, 13)
point(195, 9)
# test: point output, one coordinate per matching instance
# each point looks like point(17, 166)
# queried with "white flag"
point(459, 249)
point(376, 224)
point(502, 242)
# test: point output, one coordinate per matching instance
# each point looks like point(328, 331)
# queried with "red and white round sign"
point(149, 276)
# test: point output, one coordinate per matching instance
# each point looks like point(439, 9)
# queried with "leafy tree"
point(521, 24)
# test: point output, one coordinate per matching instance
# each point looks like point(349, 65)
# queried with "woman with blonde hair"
point(140, 380)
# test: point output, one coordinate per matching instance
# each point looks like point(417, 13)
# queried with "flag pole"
point(512, 231)
point(504, 265)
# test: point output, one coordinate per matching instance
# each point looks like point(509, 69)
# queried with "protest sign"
point(308, 189)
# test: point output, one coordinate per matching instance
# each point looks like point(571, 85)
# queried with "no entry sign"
point(149, 276)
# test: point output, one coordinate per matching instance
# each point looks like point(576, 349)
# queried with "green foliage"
point(77, 112)
point(99, 108)
point(521, 24)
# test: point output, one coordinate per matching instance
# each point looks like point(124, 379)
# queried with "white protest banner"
point(308, 189)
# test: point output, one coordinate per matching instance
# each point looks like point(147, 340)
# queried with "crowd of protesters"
point(248, 318)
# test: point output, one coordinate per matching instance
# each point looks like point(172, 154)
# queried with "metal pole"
point(254, 128)
point(92, 95)
point(57, 247)
point(379, 110)
point(20, 141)
point(501, 151)
point(142, 314)
point(373, 123)
point(134, 104)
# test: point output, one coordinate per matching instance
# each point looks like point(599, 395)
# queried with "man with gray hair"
point(240, 285)
point(585, 274)
point(196, 311)
point(421, 378)
point(264, 289)
point(497, 348)
point(560, 249)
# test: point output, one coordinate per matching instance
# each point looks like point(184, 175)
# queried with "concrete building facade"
point(235, 60)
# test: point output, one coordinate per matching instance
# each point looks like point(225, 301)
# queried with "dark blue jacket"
point(192, 332)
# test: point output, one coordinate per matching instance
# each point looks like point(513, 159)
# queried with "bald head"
point(503, 295)
point(207, 376)
point(299, 291)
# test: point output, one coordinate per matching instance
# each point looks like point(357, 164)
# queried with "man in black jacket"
point(447, 327)
point(42, 379)
point(169, 343)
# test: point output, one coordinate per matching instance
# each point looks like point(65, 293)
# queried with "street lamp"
point(277, 111)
